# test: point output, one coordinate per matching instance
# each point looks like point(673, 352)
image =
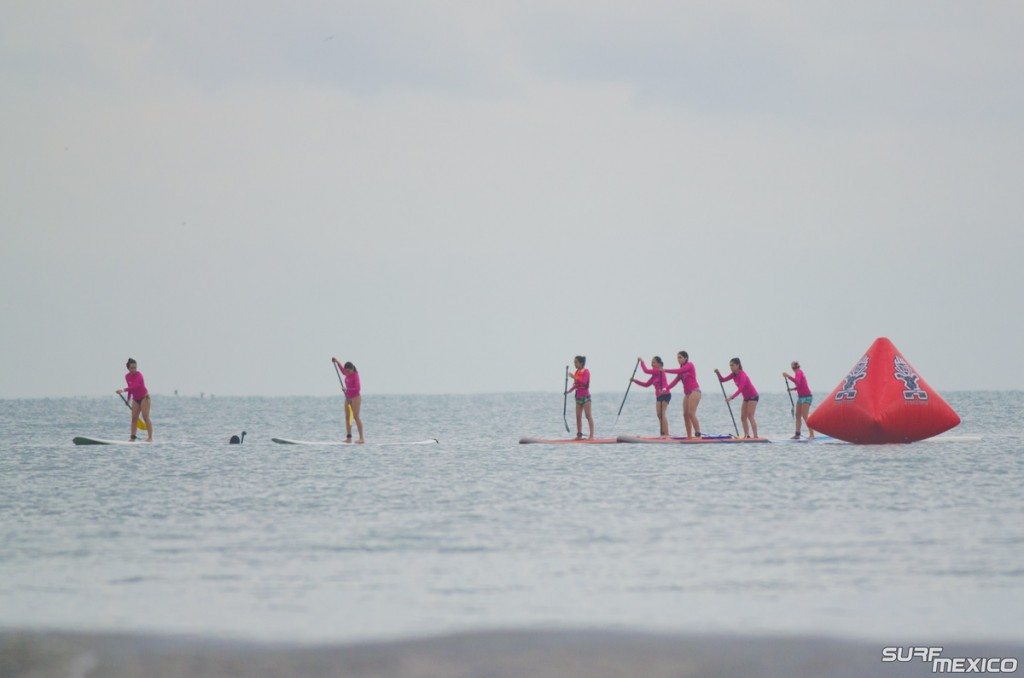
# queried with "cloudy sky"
point(458, 197)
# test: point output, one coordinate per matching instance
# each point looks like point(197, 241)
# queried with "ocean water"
point(921, 542)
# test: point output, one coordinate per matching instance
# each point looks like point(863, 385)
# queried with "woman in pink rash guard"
point(687, 374)
point(353, 399)
point(662, 396)
point(138, 398)
point(750, 396)
point(581, 386)
point(803, 399)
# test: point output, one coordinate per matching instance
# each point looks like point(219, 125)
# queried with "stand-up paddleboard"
point(818, 438)
point(86, 440)
point(574, 441)
point(726, 440)
point(822, 439)
point(338, 443)
point(937, 439)
point(952, 439)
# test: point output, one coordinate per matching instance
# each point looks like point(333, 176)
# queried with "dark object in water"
point(235, 440)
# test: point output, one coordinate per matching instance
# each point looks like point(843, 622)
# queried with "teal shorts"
point(583, 401)
point(804, 400)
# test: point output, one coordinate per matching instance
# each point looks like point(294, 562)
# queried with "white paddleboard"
point(819, 438)
point(338, 443)
point(86, 440)
point(826, 440)
point(952, 439)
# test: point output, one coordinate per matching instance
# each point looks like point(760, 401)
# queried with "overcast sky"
point(458, 197)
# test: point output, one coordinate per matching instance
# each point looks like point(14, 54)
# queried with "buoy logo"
point(905, 373)
point(859, 371)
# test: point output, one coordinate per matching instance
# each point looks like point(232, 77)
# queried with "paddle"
point(729, 405)
point(565, 400)
point(635, 368)
point(141, 425)
point(348, 408)
point(792, 405)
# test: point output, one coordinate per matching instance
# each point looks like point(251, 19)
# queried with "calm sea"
point(923, 542)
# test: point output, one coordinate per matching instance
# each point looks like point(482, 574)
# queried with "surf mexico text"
point(940, 664)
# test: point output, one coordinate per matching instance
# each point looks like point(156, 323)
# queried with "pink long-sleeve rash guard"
point(800, 379)
point(351, 381)
point(136, 386)
point(687, 374)
point(743, 385)
point(657, 379)
point(581, 383)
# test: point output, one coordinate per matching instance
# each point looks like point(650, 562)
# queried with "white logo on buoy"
point(905, 373)
point(849, 389)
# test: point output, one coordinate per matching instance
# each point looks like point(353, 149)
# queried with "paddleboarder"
point(745, 388)
point(581, 388)
point(804, 398)
point(138, 399)
point(687, 374)
point(662, 396)
point(353, 399)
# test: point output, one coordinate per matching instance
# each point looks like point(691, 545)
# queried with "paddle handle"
point(728, 404)
point(628, 386)
point(341, 382)
point(337, 372)
point(792, 405)
point(565, 400)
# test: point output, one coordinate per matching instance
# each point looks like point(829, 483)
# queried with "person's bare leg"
point(753, 420)
point(590, 418)
point(694, 399)
point(136, 409)
point(805, 413)
point(357, 404)
point(579, 420)
point(686, 417)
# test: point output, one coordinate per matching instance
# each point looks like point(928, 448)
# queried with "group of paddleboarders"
point(686, 374)
point(139, 400)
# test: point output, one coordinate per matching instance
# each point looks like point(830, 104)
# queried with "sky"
point(459, 197)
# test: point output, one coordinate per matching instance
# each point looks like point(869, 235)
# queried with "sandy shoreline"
point(534, 653)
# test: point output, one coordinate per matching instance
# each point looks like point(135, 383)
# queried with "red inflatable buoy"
point(883, 400)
